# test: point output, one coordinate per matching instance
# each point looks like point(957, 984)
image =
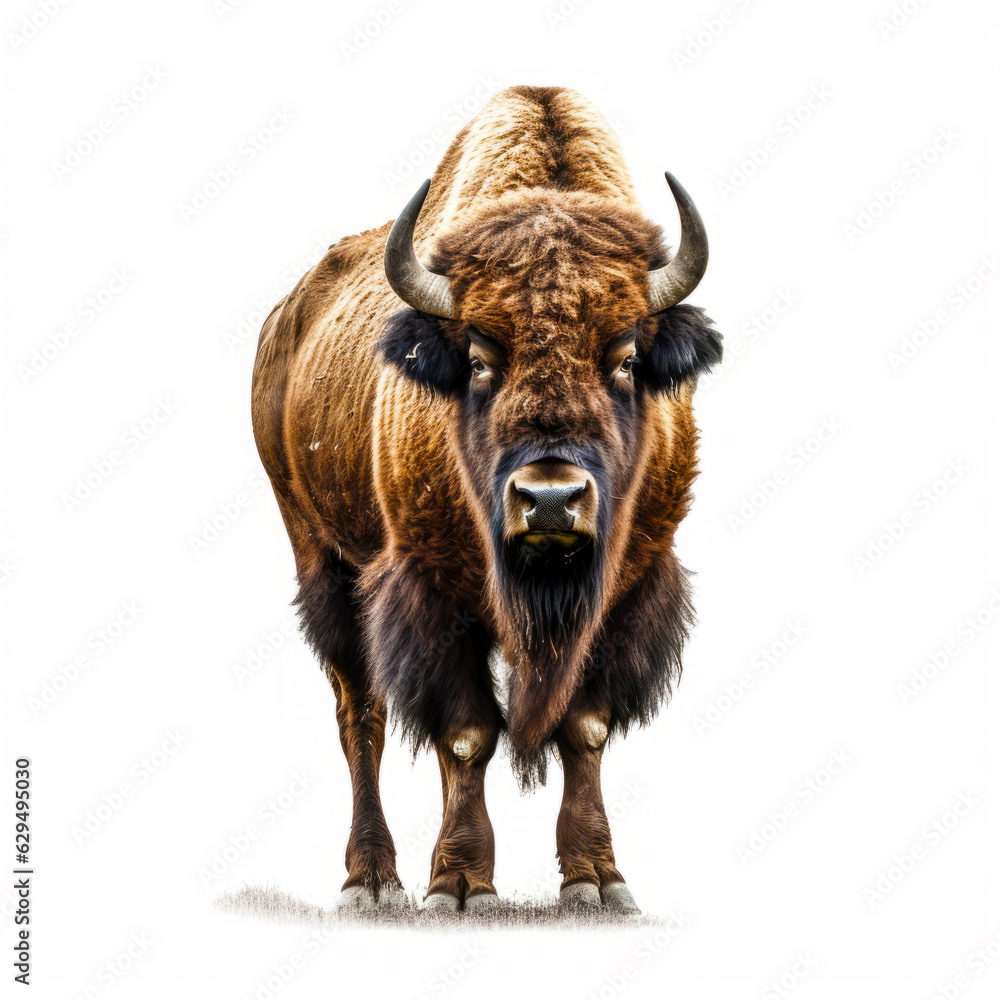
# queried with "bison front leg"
point(462, 865)
point(583, 837)
point(431, 661)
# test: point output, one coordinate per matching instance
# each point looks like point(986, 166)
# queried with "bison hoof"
point(580, 895)
point(442, 902)
point(356, 897)
point(484, 904)
point(617, 896)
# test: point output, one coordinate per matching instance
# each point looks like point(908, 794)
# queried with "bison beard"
point(548, 604)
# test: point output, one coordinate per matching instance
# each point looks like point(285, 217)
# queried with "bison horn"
point(675, 281)
point(410, 280)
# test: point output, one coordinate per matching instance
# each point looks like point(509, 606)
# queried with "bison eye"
point(619, 356)
point(486, 358)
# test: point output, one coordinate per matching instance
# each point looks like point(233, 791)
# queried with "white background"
point(183, 329)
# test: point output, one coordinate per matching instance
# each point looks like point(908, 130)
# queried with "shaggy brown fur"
point(385, 460)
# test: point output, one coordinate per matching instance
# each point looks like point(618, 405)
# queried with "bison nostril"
point(550, 500)
point(550, 505)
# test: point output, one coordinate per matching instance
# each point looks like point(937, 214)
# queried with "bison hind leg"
point(329, 607)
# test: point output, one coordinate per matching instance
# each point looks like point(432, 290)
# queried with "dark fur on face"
point(684, 346)
point(414, 343)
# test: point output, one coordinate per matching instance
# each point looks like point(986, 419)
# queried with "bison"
point(477, 423)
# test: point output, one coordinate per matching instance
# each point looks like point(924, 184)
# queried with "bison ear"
point(414, 342)
point(685, 345)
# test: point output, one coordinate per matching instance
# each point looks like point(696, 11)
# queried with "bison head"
point(553, 316)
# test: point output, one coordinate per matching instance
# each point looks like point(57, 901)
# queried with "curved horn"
point(410, 280)
point(675, 281)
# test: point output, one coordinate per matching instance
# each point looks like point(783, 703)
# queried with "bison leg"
point(462, 866)
point(329, 604)
point(431, 661)
point(583, 837)
point(371, 854)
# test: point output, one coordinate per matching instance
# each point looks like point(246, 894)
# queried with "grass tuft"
point(269, 904)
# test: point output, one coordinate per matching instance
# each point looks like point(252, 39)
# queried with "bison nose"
point(549, 509)
point(551, 501)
